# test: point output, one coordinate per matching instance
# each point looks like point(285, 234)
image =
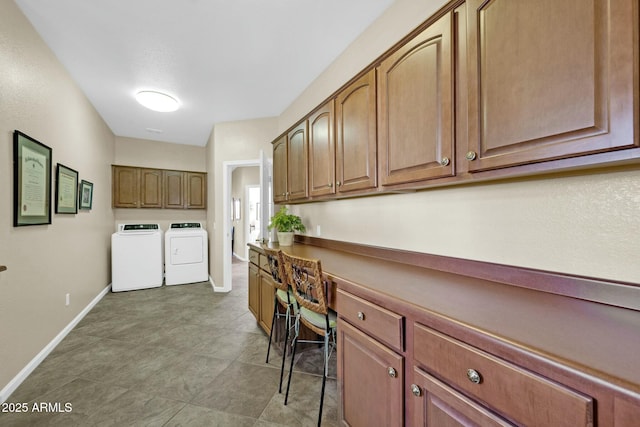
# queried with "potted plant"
point(285, 224)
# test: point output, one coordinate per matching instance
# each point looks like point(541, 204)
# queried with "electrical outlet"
point(67, 299)
point(318, 233)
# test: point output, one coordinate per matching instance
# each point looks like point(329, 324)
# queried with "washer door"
point(185, 250)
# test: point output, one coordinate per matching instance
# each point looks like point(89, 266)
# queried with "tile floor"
point(173, 356)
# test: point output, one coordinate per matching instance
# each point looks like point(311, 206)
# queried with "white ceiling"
point(224, 60)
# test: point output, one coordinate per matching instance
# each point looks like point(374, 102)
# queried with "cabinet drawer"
point(378, 322)
point(264, 263)
point(254, 257)
point(516, 393)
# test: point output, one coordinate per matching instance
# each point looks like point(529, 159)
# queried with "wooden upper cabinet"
point(174, 189)
point(150, 188)
point(134, 187)
point(415, 108)
point(549, 79)
point(322, 151)
point(356, 135)
point(280, 170)
point(125, 187)
point(185, 190)
point(297, 162)
point(196, 190)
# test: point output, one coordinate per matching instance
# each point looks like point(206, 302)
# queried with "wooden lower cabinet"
point(401, 366)
point(261, 291)
point(371, 380)
point(435, 404)
point(254, 289)
point(267, 291)
point(517, 394)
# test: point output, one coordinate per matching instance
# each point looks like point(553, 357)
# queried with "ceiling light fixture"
point(157, 101)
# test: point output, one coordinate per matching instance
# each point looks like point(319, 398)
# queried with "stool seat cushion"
point(317, 319)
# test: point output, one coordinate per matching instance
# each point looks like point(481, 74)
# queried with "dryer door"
point(185, 250)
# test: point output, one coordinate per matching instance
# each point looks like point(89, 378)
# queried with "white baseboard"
point(33, 364)
point(240, 257)
point(217, 288)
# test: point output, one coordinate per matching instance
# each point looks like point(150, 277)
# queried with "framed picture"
point(236, 209)
point(86, 195)
point(66, 190)
point(31, 181)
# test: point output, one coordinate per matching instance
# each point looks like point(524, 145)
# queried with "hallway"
point(172, 356)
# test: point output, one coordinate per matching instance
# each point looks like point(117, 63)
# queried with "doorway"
point(264, 209)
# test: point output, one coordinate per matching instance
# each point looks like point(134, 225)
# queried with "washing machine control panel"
point(186, 225)
point(131, 227)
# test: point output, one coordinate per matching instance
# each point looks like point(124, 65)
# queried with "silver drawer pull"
point(474, 376)
point(416, 390)
point(360, 315)
point(392, 372)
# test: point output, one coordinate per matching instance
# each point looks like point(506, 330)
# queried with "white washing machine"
point(186, 253)
point(136, 257)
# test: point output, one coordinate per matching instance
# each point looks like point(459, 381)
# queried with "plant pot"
point(285, 238)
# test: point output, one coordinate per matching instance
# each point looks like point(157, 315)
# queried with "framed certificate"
point(66, 190)
point(31, 181)
point(86, 195)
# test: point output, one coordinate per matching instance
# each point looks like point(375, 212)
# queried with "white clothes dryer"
point(186, 253)
point(136, 257)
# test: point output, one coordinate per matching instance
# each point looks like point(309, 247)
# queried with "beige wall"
point(160, 155)
point(230, 142)
point(71, 255)
point(581, 223)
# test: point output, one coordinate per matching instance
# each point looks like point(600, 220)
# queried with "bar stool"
point(283, 297)
point(305, 278)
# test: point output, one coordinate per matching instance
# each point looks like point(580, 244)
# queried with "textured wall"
point(71, 255)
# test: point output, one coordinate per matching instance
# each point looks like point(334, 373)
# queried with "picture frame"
point(66, 190)
point(85, 196)
point(31, 181)
point(236, 209)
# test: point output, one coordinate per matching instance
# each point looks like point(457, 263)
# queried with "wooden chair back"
point(305, 278)
point(276, 265)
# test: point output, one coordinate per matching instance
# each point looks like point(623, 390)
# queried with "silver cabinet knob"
point(474, 376)
point(360, 315)
point(392, 372)
point(415, 390)
point(471, 155)
point(330, 184)
point(445, 161)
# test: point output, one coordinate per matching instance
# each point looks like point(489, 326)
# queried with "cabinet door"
point(297, 162)
point(174, 189)
point(280, 170)
point(437, 405)
point(266, 301)
point(356, 135)
point(196, 190)
point(125, 187)
point(254, 290)
point(371, 378)
point(541, 88)
point(415, 107)
point(150, 188)
point(322, 155)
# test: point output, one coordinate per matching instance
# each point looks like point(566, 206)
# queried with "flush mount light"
point(157, 101)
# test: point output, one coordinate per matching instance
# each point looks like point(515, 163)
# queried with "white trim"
point(216, 289)
point(33, 364)
point(227, 175)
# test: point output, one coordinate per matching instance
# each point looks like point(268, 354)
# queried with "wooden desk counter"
point(597, 340)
